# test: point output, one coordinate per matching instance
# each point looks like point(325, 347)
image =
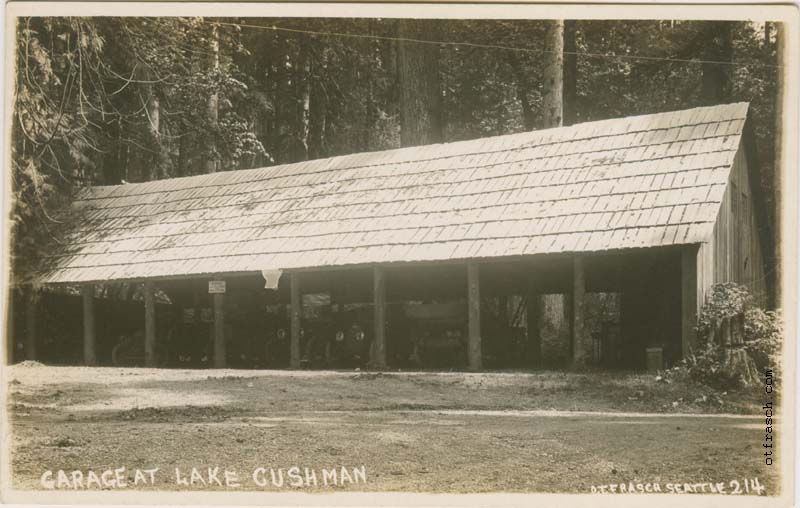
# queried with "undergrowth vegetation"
point(736, 339)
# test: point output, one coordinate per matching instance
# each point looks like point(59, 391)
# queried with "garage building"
point(654, 209)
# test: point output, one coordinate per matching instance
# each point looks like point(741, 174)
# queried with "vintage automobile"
point(318, 330)
point(315, 335)
point(438, 334)
point(245, 345)
point(189, 344)
point(341, 339)
point(276, 345)
point(418, 335)
point(129, 351)
point(351, 344)
point(259, 340)
point(248, 322)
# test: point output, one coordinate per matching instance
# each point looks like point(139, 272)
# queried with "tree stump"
point(739, 362)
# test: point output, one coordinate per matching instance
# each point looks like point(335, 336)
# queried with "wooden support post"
point(31, 324)
point(689, 302)
point(474, 317)
point(149, 325)
point(89, 338)
point(220, 353)
point(379, 295)
point(295, 308)
point(578, 292)
point(532, 315)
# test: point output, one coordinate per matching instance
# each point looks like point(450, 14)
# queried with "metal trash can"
point(655, 358)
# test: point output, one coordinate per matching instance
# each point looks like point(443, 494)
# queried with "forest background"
point(103, 101)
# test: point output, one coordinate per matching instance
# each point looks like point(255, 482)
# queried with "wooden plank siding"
point(734, 251)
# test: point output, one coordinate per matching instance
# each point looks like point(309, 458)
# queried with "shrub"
point(707, 365)
point(725, 301)
point(763, 336)
point(727, 366)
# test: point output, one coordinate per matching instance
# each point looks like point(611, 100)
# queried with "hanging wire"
point(490, 46)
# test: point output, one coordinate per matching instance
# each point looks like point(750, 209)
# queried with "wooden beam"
point(361, 266)
point(689, 301)
point(89, 336)
point(220, 352)
point(578, 319)
point(474, 356)
point(149, 324)
point(296, 309)
point(379, 293)
point(31, 324)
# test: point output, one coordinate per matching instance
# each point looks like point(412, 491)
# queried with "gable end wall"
point(734, 252)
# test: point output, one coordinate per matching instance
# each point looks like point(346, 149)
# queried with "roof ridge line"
point(356, 154)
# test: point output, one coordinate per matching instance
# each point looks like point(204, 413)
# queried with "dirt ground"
point(428, 432)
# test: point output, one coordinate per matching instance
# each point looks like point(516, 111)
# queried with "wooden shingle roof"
point(640, 181)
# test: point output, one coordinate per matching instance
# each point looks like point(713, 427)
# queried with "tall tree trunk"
point(212, 109)
point(181, 169)
point(126, 166)
point(716, 81)
point(303, 80)
point(767, 34)
point(552, 95)
point(154, 116)
point(420, 85)
point(553, 76)
point(112, 159)
point(570, 73)
point(391, 98)
point(284, 113)
point(370, 106)
point(272, 81)
point(156, 167)
point(777, 178)
point(319, 110)
point(523, 90)
point(370, 115)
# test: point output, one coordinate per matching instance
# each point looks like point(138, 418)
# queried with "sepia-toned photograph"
point(353, 254)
